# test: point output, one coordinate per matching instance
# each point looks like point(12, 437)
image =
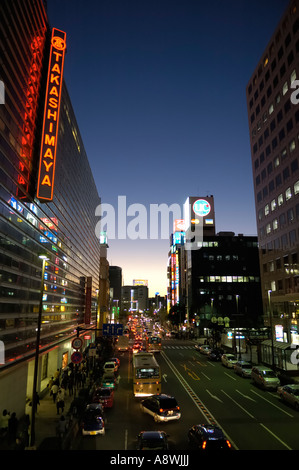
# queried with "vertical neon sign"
point(29, 120)
point(46, 175)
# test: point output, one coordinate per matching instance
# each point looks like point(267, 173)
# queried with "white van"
point(265, 377)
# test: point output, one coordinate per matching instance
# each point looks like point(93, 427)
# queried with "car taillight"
point(178, 408)
point(161, 410)
point(204, 444)
point(228, 443)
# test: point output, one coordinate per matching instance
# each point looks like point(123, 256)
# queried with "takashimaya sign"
point(47, 161)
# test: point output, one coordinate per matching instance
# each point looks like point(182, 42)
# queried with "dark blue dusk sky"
point(159, 93)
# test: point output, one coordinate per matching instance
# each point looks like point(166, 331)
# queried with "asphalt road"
point(206, 391)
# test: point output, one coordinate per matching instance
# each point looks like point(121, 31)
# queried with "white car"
point(290, 394)
point(229, 360)
point(204, 349)
point(243, 368)
point(110, 366)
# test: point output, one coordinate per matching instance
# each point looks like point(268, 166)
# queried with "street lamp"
point(271, 328)
point(237, 302)
point(39, 321)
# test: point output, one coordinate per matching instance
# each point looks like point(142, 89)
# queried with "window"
point(292, 145)
point(275, 224)
point(290, 215)
point(282, 219)
point(280, 200)
point(271, 108)
point(273, 205)
point(267, 211)
point(288, 194)
point(296, 187)
point(268, 228)
point(285, 88)
point(276, 162)
point(293, 76)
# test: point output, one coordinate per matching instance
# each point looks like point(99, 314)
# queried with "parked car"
point(152, 440)
point(265, 377)
point(229, 360)
point(104, 396)
point(243, 368)
point(110, 366)
point(109, 380)
point(204, 349)
point(92, 422)
point(290, 394)
point(215, 354)
point(208, 437)
point(161, 407)
point(116, 361)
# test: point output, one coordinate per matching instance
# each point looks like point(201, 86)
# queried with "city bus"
point(146, 375)
point(153, 344)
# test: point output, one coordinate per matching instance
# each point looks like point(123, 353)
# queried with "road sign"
point(113, 329)
point(77, 343)
point(76, 357)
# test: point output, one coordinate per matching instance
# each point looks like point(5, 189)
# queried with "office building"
point(212, 275)
point(40, 214)
point(273, 116)
point(134, 299)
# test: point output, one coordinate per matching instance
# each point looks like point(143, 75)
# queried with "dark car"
point(215, 354)
point(104, 396)
point(161, 407)
point(207, 437)
point(92, 422)
point(152, 440)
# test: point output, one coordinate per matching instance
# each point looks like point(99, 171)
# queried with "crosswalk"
point(179, 347)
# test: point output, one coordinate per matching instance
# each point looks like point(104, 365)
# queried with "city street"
point(207, 392)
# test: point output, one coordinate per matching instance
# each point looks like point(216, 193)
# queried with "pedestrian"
point(60, 400)
point(54, 391)
point(71, 385)
point(62, 427)
point(12, 428)
point(4, 422)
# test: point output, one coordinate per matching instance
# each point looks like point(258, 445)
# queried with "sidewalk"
point(46, 421)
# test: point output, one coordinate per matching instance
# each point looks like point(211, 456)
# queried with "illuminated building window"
point(267, 210)
point(288, 194)
point(292, 145)
point(268, 228)
point(285, 88)
point(293, 76)
point(275, 224)
point(273, 205)
point(296, 187)
point(280, 199)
